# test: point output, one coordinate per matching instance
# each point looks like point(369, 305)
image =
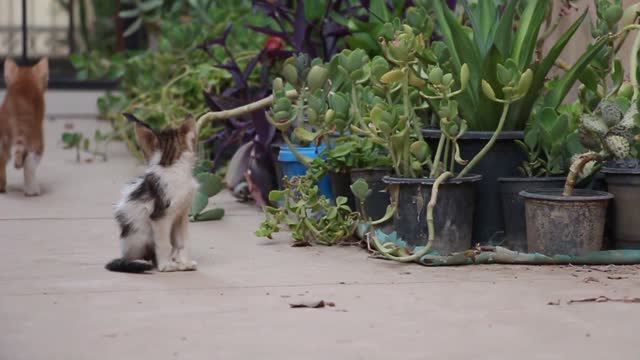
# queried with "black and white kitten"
point(153, 211)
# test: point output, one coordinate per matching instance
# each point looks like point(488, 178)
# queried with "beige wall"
point(578, 44)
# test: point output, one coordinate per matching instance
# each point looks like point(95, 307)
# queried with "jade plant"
point(308, 214)
point(209, 185)
point(414, 77)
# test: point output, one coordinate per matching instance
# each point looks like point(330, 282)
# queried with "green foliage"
point(209, 185)
point(308, 214)
point(80, 142)
point(165, 83)
point(493, 43)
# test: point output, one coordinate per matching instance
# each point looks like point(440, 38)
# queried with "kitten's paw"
point(32, 190)
point(189, 266)
point(168, 267)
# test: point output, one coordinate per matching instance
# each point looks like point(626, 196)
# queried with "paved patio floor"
point(58, 302)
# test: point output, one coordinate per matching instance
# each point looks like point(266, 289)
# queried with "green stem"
point(241, 110)
point(447, 144)
point(436, 159)
point(453, 156)
point(487, 147)
point(430, 225)
point(305, 160)
point(576, 168)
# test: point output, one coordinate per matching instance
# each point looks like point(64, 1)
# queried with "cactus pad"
point(617, 145)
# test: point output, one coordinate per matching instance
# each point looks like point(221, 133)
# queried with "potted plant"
point(301, 121)
point(571, 222)
point(413, 78)
point(493, 42)
point(544, 146)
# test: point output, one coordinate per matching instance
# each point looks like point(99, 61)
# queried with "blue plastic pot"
point(291, 166)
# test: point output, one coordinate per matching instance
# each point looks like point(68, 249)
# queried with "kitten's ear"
point(146, 138)
point(188, 129)
point(10, 71)
point(41, 72)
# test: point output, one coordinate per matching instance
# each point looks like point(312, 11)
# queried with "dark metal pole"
point(24, 30)
point(72, 25)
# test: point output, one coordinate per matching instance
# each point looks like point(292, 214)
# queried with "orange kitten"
point(21, 117)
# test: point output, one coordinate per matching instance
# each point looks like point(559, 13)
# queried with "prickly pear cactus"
point(609, 129)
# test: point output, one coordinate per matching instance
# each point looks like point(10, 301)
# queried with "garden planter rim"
point(481, 135)
point(579, 195)
point(620, 171)
point(392, 179)
point(365, 169)
point(518, 179)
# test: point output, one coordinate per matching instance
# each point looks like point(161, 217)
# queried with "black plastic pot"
point(513, 206)
point(453, 214)
point(565, 225)
point(376, 204)
point(502, 160)
point(341, 186)
point(624, 183)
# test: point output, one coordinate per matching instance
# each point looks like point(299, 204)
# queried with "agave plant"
point(493, 43)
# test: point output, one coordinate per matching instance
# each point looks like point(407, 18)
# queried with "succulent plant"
point(209, 185)
point(608, 129)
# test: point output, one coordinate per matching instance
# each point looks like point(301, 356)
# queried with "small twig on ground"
point(626, 299)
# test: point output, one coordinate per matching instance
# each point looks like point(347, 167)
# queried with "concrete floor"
point(58, 302)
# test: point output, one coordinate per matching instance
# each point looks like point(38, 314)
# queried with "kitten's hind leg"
point(5, 155)
point(179, 235)
point(31, 187)
point(162, 243)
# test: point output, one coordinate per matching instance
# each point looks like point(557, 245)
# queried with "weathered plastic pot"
point(376, 204)
point(501, 160)
point(453, 214)
point(624, 184)
point(565, 225)
point(341, 186)
point(515, 237)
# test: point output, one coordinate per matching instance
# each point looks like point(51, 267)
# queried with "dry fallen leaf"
point(313, 304)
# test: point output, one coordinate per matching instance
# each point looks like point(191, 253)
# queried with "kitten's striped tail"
point(128, 266)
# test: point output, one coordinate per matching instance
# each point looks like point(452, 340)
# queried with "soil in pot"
point(453, 214)
point(502, 160)
point(623, 181)
point(377, 202)
point(565, 225)
point(341, 186)
point(515, 237)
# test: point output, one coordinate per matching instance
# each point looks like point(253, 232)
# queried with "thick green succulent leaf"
point(210, 184)
point(213, 214)
point(200, 201)
point(304, 134)
point(275, 195)
point(360, 189)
